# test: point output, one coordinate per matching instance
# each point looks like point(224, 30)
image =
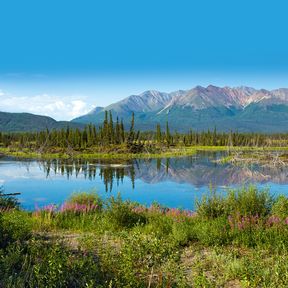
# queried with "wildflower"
point(49, 208)
point(273, 220)
point(243, 222)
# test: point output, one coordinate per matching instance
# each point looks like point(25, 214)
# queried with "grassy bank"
point(114, 154)
point(28, 154)
point(239, 240)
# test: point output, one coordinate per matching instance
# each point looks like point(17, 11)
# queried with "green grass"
point(185, 151)
point(239, 239)
point(177, 151)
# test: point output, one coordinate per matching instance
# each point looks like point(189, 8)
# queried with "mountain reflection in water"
point(199, 170)
point(174, 182)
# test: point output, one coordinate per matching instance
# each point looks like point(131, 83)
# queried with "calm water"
point(174, 182)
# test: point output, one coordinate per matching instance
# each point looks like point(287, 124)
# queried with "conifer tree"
point(131, 135)
point(122, 132)
point(168, 135)
point(158, 134)
point(117, 132)
point(111, 129)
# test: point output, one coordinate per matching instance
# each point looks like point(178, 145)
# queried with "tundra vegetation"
point(238, 239)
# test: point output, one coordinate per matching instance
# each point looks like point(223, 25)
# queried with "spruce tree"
point(111, 129)
point(168, 135)
point(117, 132)
point(158, 134)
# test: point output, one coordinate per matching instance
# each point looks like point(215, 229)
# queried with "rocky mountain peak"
point(202, 107)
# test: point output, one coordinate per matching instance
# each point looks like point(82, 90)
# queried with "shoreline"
point(174, 152)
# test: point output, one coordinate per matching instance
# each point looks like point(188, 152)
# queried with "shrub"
point(158, 224)
point(211, 206)
point(248, 201)
point(212, 232)
point(280, 207)
point(121, 213)
point(182, 232)
point(87, 199)
point(14, 226)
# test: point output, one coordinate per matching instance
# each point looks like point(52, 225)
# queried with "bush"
point(211, 206)
point(244, 202)
point(14, 226)
point(248, 201)
point(121, 213)
point(280, 207)
point(158, 224)
point(85, 198)
point(182, 232)
point(212, 232)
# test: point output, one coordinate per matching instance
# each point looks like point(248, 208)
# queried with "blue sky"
point(60, 58)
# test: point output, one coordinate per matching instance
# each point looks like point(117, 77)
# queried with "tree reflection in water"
point(109, 172)
point(198, 170)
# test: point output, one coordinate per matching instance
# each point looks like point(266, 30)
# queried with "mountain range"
point(244, 109)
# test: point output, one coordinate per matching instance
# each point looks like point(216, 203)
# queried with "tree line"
point(112, 134)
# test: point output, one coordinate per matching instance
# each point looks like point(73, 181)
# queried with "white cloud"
point(60, 108)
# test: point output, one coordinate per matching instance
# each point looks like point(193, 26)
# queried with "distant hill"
point(19, 122)
point(242, 108)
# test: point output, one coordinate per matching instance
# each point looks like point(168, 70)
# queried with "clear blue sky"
point(97, 52)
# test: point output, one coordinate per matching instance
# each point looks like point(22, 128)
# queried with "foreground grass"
point(239, 240)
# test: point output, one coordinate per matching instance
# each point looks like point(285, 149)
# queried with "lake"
point(173, 182)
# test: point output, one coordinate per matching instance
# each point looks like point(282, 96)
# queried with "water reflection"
point(174, 182)
point(200, 170)
point(109, 173)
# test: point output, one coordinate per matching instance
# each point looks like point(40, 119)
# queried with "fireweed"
point(255, 222)
point(173, 212)
point(67, 207)
point(244, 222)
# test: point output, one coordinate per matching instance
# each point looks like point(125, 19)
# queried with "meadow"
point(239, 239)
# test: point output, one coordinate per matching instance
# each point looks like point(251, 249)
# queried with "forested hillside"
point(19, 122)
